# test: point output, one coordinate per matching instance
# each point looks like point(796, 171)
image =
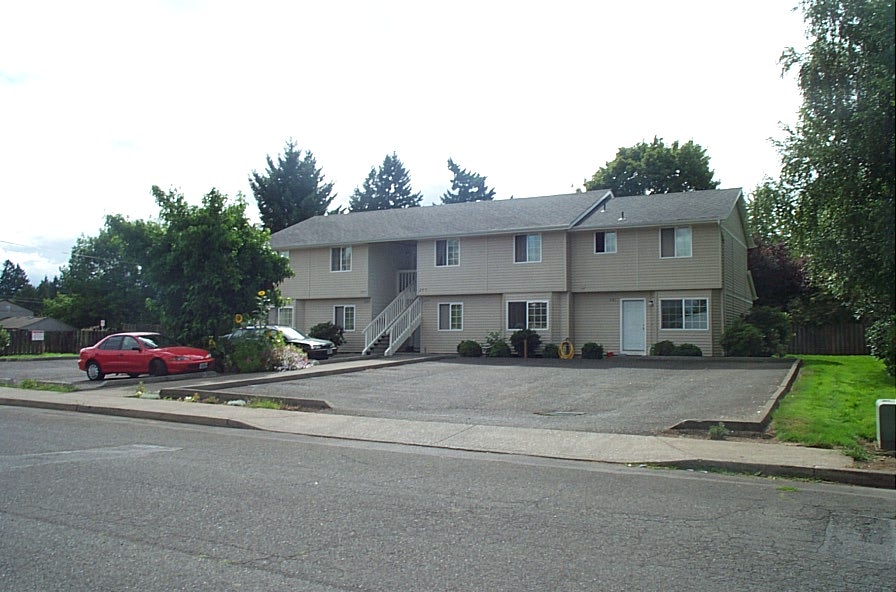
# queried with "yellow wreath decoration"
point(567, 350)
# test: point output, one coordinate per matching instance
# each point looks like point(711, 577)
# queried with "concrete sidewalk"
point(754, 457)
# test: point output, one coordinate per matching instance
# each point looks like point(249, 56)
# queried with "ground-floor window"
point(527, 314)
point(344, 316)
point(684, 313)
point(451, 316)
point(285, 316)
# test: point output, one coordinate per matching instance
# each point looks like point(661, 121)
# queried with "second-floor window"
point(447, 252)
point(341, 259)
point(527, 248)
point(604, 242)
point(675, 242)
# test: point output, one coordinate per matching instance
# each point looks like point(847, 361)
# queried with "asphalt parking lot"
point(624, 396)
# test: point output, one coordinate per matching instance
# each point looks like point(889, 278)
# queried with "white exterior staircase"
point(396, 323)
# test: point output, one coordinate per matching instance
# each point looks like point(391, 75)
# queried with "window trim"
point(527, 235)
point(547, 314)
point(684, 316)
point(605, 233)
point(447, 241)
point(340, 259)
point(344, 307)
point(675, 230)
point(450, 306)
point(292, 315)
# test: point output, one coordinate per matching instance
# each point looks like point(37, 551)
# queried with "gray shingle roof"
point(670, 208)
point(534, 214)
point(485, 217)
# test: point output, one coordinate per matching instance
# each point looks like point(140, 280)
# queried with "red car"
point(141, 353)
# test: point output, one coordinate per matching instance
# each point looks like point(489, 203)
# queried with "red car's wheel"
point(158, 368)
point(94, 372)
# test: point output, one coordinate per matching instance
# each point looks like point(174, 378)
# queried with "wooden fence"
point(22, 341)
point(845, 339)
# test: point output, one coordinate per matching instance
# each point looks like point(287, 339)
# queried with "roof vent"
point(621, 216)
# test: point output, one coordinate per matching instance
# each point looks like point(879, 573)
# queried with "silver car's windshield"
point(290, 333)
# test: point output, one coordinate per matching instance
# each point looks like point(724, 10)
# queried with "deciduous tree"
point(839, 159)
point(208, 264)
point(644, 169)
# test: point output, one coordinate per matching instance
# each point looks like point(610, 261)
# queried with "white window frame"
point(678, 242)
point(685, 318)
point(452, 306)
point(607, 234)
point(448, 251)
point(533, 241)
point(292, 316)
point(338, 258)
point(345, 308)
point(528, 304)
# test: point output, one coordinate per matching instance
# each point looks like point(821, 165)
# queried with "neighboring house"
point(35, 324)
point(10, 309)
point(625, 272)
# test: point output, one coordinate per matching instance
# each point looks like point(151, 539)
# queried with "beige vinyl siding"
point(480, 314)
point(738, 296)
point(469, 275)
point(637, 265)
point(487, 266)
point(321, 311)
point(313, 278)
point(487, 313)
point(385, 260)
point(547, 275)
point(702, 338)
point(598, 316)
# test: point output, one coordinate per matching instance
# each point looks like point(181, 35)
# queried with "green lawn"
point(832, 403)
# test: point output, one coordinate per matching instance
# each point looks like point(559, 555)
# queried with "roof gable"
point(632, 211)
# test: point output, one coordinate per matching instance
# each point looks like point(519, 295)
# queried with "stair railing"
point(404, 326)
point(381, 323)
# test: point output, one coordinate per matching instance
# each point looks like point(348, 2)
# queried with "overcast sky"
point(101, 100)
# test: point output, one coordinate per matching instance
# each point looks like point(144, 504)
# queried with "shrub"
point(662, 348)
point(525, 341)
point(4, 339)
point(882, 341)
point(775, 327)
point(469, 349)
point(687, 349)
point(592, 351)
point(497, 345)
point(328, 331)
point(742, 339)
point(718, 432)
point(551, 350)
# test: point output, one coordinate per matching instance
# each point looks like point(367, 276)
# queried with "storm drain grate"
point(560, 413)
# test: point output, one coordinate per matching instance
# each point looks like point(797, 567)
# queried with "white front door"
point(633, 327)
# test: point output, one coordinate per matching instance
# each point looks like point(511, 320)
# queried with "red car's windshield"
point(156, 341)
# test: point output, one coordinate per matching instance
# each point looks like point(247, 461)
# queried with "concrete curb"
point(748, 426)
point(454, 439)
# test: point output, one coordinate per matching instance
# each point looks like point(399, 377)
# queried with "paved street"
point(98, 503)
